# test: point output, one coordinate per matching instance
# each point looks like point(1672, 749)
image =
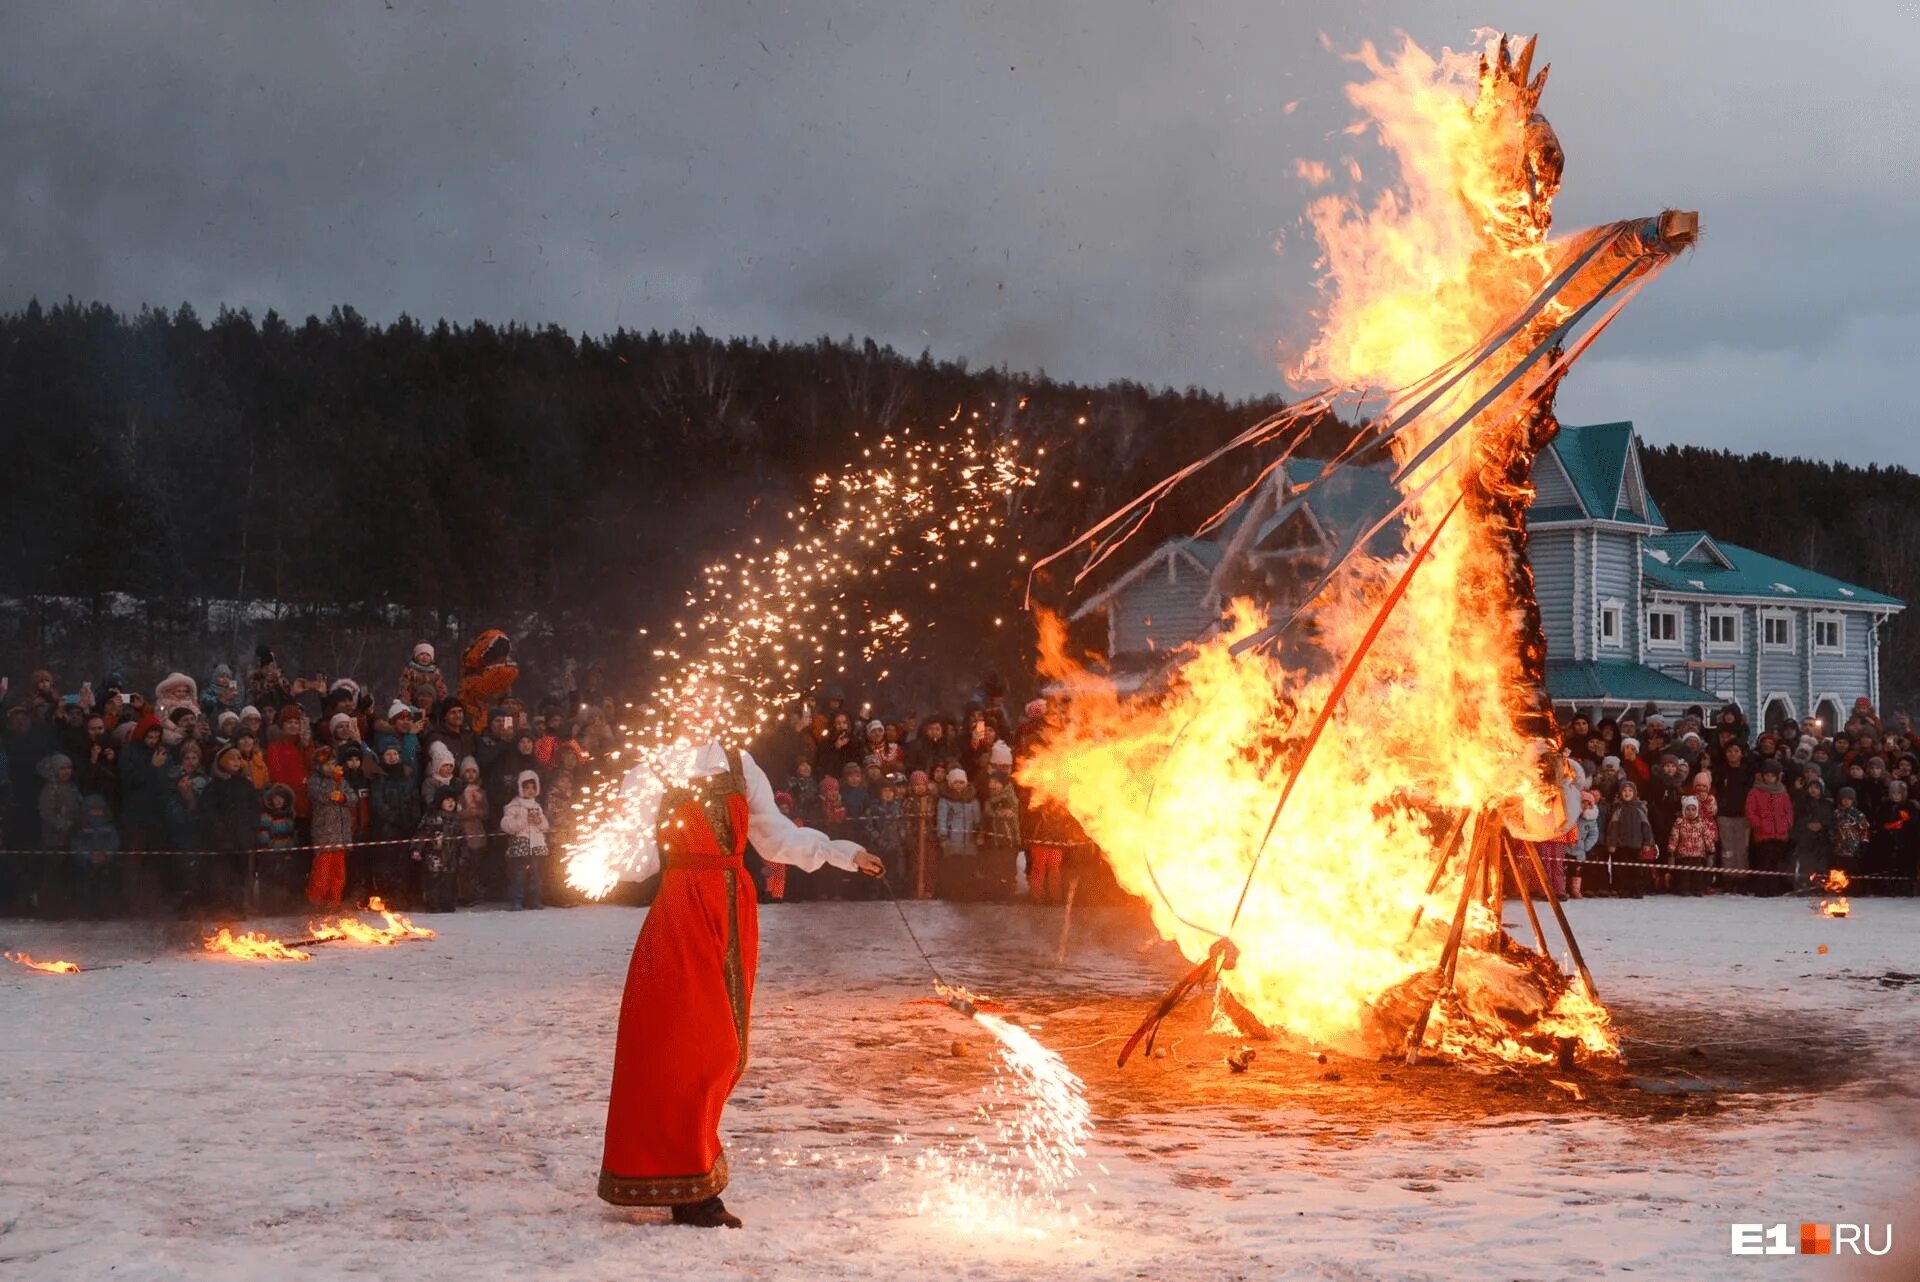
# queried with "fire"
point(1837, 905)
point(251, 946)
point(48, 967)
point(1441, 729)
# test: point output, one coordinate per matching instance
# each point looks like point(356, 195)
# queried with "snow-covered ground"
point(433, 1110)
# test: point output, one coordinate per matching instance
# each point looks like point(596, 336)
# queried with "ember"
point(47, 967)
point(1447, 291)
point(251, 946)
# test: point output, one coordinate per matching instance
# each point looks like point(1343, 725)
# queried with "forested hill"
point(486, 472)
point(1861, 524)
point(490, 471)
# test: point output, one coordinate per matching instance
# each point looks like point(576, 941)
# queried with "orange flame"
point(353, 930)
point(251, 946)
point(1178, 790)
point(1838, 906)
point(51, 968)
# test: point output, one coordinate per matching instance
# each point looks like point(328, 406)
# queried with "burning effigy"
point(1325, 811)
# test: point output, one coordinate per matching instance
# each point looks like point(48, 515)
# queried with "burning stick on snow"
point(251, 945)
point(45, 967)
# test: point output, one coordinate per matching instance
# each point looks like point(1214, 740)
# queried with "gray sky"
point(1093, 188)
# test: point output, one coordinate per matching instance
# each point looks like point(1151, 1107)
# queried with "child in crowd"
point(1629, 841)
point(473, 828)
point(395, 803)
point(525, 824)
point(957, 822)
point(94, 843)
point(918, 811)
point(805, 791)
point(59, 802)
point(1690, 842)
point(1852, 831)
point(436, 846)
point(274, 865)
point(334, 803)
point(886, 822)
point(999, 838)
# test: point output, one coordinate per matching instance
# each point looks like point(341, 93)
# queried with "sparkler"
point(45, 967)
point(909, 516)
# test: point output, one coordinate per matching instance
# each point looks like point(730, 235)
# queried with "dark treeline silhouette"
point(1861, 524)
point(401, 481)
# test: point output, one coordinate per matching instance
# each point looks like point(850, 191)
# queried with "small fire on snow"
point(353, 930)
point(51, 968)
point(1836, 905)
point(251, 945)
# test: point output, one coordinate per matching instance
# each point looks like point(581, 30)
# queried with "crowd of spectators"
point(1700, 806)
point(260, 793)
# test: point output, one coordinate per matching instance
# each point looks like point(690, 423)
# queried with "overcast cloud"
point(1093, 188)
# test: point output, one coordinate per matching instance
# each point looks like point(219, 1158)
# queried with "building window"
point(1610, 623)
point(1723, 629)
point(1663, 629)
point(1829, 634)
point(1776, 631)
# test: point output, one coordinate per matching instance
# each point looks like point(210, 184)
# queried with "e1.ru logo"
point(1815, 1239)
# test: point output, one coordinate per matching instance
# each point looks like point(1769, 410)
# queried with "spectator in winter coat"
point(854, 795)
point(999, 838)
point(266, 684)
point(59, 802)
point(1732, 781)
point(230, 805)
point(525, 824)
point(1769, 818)
point(1894, 831)
point(436, 846)
point(27, 741)
point(394, 799)
point(143, 788)
point(450, 727)
point(474, 815)
point(96, 766)
point(222, 694)
point(1632, 765)
point(94, 844)
point(886, 824)
point(276, 864)
point(176, 690)
point(288, 757)
point(918, 811)
point(333, 804)
point(1852, 832)
point(1662, 791)
point(420, 684)
point(1581, 853)
point(1690, 841)
point(957, 824)
point(928, 747)
point(1812, 831)
point(441, 773)
point(253, 762)
point(1629, 841)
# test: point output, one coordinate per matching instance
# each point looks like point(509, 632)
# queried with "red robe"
point(683, 1022)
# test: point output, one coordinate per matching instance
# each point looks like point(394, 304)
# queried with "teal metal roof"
point(1754, 574)
point(1595, 457)
point(1206, 551)
point(1615, 681)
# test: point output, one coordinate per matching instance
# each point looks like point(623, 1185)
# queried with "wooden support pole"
point(1447, 850)
point(1450, 954)
point(1560, 916)
point(1526, 895)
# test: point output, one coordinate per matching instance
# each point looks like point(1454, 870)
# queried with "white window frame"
point(1722, 614)
point(1617, 609)
point(1777, 616)
point(1839, 622)
point(1678, 641)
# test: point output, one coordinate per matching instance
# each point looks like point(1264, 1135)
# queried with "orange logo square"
point(1816, 1239)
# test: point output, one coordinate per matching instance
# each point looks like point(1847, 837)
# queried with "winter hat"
point(220, 757)
point(180, 712)
point(397, 709)
point(1848, 794)
point(1769, 767)
point(1876, 761)
point(876, 727)
point(250, 711)
point(1630, 743)
point(783, 799)
point(1703, 780)
point(222, 670)
point(1610, 763)
point(345, 685)
point(1000, 754)
point(438, 754)
point(340, 726)
point(957, 775)
point(228, 718)
point(465, 762)
point(444, 793)
point(1690, 802)
point(50, 766)
point(423, 652)
point(290, 714)
point(918, 776)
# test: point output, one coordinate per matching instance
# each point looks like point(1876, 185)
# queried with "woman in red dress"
point(683, 1036)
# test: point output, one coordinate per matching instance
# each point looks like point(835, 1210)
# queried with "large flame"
point(251, 945)
point(46, 967)
point(353, 930)
point(1441, 724)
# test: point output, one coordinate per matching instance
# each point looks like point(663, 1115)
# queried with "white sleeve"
point(779, 839)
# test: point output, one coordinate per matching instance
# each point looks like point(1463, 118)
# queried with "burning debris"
point(251, 945)
point(45, 967)
point(354, 931)
point(1835, 903)
point(1402, 726)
